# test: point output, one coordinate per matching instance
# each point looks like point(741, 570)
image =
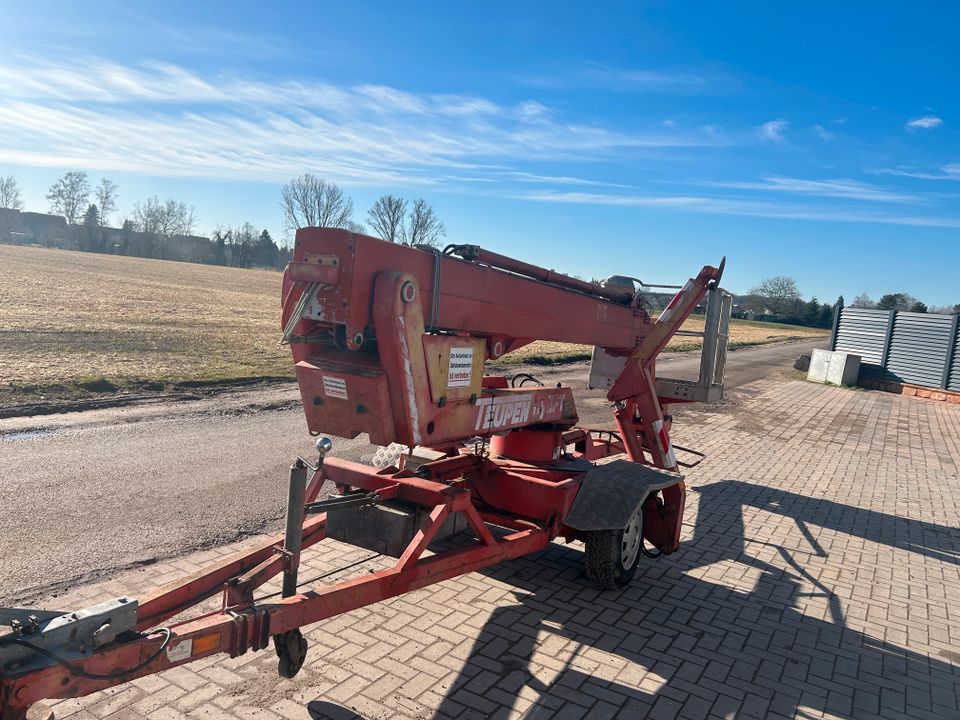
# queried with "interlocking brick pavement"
point(819, 577)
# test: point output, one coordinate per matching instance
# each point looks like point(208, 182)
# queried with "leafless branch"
point(387, 216)
point(68, 196)
point(10, 193)
point(423, 225)
point(309, 201)
point(106, 194)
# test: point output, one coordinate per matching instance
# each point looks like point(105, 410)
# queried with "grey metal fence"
point(916, 348)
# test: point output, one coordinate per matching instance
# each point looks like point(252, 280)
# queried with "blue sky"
point(818, 140)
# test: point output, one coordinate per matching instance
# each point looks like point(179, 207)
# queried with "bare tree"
point(779, 293)
point(164, 220)
point(106, 194)
point(241, 242)
point(10, 193)
point(423, 226)
point(68, 196)
point(863, 301)
point(220, 237)
point(146, 215)
point(387, 216)
point(309, 201)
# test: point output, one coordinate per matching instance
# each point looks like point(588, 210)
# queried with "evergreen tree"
point(826, 316)
point(90, 235)
point(265, 251)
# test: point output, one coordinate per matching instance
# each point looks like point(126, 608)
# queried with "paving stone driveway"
point(819, 577)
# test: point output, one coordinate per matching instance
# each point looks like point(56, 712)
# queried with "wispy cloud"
point(773, 130)
point(633, 79)
point(586, 198)
point(162, 119)
point(838, 188)
point(96, 81)
point(950, 171)
point(670, 81)
point(927, 122)
point(745, 208)
point(823, 133)
point(527, 177)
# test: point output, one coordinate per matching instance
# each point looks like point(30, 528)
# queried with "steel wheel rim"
point(632, 537)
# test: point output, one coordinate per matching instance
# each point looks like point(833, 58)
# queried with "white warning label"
point(460, 372)
point(181, 651)
point(335, 387)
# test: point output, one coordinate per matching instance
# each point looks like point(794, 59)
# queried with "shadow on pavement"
point(323, 710)
point(698, 648)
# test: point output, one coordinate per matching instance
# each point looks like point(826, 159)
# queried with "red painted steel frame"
point(244, 624)
point(366, 363)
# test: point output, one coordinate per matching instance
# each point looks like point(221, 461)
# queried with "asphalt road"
point(87, 494)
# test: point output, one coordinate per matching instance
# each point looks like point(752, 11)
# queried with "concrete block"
point(834, 367)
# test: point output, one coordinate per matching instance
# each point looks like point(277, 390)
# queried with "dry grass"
point(81, 319)
point(79, 322)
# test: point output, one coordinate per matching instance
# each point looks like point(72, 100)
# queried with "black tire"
point(603, 558)
point(291, 648)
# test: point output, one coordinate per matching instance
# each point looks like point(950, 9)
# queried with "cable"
point(300, 308)
point(325, 575)
point(643, 544)
point(80, 672)
point(611, 433)
point(650, 553)
point(527, 377)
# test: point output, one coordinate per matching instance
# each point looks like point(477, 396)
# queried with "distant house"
point(31, 228)
point(742, 311)
point(49, 230)
point(26, 228)
point(186, 248)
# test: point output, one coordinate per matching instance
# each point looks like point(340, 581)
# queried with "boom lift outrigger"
point(392, 341)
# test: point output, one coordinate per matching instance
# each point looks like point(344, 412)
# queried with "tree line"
point(164, 228)
point(311, 201)
point(778, 298)
point(904, 302)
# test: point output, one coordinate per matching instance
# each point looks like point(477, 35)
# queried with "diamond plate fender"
point(609, 494)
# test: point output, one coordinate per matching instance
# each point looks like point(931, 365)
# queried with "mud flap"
point(611, 493)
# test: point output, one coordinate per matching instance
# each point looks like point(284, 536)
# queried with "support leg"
point(293, 537)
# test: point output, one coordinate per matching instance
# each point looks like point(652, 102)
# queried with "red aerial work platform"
point(392, 341)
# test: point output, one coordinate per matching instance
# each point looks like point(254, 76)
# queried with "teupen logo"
point(500, 412)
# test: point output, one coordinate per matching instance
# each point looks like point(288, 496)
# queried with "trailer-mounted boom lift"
point(392, 341)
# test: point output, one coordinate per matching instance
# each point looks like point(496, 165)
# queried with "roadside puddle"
point(21, 435)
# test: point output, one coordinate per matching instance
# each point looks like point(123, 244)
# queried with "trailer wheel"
point(291, 650)
point(612, 556)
